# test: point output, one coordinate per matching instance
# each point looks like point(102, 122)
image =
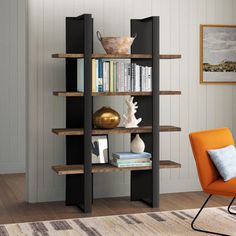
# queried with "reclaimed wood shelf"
point(115, 56)
point(118, 130)
point(106, 168)
point(95, 94)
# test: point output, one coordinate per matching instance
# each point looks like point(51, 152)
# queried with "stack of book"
point(130, 159)
point(115, 76)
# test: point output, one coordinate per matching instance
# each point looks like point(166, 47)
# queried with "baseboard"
point(12, 167)
point(118, 189)
point(179, 185)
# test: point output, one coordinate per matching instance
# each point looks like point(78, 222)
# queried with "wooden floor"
point(13, 208)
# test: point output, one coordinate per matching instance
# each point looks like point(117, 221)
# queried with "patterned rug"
point(154, 223)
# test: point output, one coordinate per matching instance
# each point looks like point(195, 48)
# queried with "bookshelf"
point(79, 109)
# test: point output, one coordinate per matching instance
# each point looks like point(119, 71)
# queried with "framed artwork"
point(100, 149)
point(217, 53)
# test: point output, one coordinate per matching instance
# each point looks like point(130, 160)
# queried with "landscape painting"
point(218, 54)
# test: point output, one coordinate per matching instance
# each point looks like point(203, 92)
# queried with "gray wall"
point(199, 106)
point(12, 86)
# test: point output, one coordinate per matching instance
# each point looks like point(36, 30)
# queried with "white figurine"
point(130, 119)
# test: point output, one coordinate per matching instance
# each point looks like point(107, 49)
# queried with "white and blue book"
point(80, 75)
point(132, 164)
point(131, 155)
point(144, 159)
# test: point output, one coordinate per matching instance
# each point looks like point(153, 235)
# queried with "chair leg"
point(201, 230)
point(230, 212)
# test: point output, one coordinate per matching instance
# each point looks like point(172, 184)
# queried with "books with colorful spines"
point(80, 75)
point(131, 164)
point(131, 155)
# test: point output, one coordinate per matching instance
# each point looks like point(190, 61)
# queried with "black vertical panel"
point(144, 110)
point(87, 113)
point(145, 184)
point(77, 41)
point(155, 109)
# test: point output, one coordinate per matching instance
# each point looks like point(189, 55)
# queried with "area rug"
point(153, 223)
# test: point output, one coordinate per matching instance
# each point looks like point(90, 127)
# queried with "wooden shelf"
point(118, 130)
point(106, 168)
point(116, 56)
point(95, 94)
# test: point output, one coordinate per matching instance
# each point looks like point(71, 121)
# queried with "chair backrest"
point(203, 141)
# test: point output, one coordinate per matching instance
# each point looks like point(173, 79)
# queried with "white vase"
point(137, 145)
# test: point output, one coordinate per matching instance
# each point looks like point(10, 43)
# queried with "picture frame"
point(218, 54)
point(100, 149)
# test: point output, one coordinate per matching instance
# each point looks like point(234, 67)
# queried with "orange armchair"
point(209, 177)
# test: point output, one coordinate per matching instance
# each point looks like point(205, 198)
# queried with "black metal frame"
point(205, 231)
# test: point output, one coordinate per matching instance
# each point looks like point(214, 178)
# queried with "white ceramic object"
point(137, 145)
point(129, 118)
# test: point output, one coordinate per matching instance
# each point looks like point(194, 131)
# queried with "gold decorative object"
point(106, 118)
point(116, 45)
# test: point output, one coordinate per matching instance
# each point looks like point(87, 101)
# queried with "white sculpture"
point(130, 119)
point(137, 145)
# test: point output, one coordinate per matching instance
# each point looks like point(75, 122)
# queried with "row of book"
point(130, 159)
point(115, 76)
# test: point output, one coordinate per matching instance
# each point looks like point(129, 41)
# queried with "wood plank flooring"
point(13, 208)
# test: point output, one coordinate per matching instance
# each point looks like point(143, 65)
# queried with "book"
point(111, 65)
point(129, 78)
point(131, 155)
point(126, 77)
point(132, 77)
point(135, 164)
point(115, 76)
point(122, 77)
point(118, 76)
point(100, 76)
point(94, 75)
point(106, 76)
point(145, 159)
point(80, 75)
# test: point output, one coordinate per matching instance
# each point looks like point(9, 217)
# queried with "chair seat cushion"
point(220, 187)
point(225, 161)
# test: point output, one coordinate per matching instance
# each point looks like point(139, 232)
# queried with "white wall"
point(199, 106)
point(12, 88)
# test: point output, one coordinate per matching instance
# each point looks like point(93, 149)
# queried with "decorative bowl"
point(106, 118)
point(116, 45)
